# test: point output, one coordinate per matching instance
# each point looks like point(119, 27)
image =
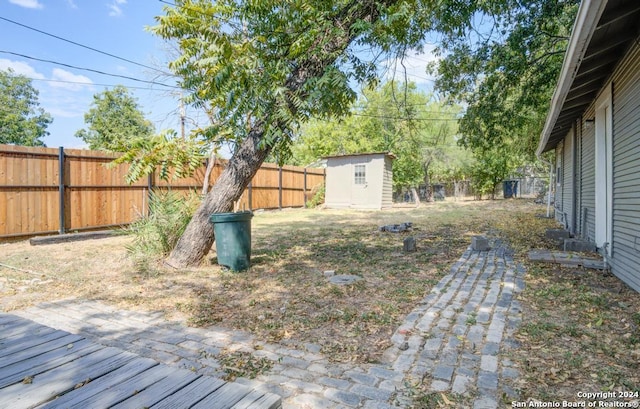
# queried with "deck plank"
point(190, 394)
point(46, 368)
point(224, 398)
point(125, 390)
point(267, 401)
point(20, 343)
point(15, 328)
point(26, 332)
point(17, 371)
point(33, 351)
point(5, 318)
point(175, 380)
point(63, 378)
point(85, 397)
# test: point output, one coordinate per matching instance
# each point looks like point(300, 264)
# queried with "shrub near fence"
point(48, 190)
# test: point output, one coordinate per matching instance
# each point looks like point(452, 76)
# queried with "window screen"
point(360, 174)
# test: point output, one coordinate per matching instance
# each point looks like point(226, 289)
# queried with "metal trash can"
point(233, 239)
point(438, 192)
point(510, 188)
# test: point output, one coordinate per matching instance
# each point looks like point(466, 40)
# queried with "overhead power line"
point(88, 69)
point(93, 83)
point(84, 46)
point(404, 118)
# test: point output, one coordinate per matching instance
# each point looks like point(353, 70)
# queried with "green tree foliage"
point(503, 66)
point(166, 153)
point(263, 67)
point(115, 121)
point(492, 166)
point(393, 118)
point(22, 121)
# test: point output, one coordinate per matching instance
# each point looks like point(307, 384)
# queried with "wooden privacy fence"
point(48, 190)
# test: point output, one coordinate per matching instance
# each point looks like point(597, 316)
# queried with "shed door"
point(360, 191)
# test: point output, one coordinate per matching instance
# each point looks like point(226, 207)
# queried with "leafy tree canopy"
point(22, 121)
point(394, 118)
point(504, 67)
point(273, 64)
point(263, 67)
point(115, 121)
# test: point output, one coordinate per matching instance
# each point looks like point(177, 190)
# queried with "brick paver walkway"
point(454, 341)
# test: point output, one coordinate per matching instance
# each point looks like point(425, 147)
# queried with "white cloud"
point(21, 68)
point(64, 113)
point(30, 4)
point(114, 6)
point(72, 80)
point(72, 4)
point(59, 102)
point(413, 65)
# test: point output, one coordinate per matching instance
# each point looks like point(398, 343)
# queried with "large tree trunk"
point(197, 239)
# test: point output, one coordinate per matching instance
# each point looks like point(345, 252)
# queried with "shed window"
point(360, 174)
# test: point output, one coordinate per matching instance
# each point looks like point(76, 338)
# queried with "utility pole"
point(183, 115)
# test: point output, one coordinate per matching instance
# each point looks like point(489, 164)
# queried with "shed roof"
point(389, 154)
point(601, 35)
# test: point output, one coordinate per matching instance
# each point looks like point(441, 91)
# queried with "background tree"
point(394, 117)
point(503, 68)
point(22, 121)
point(267, 66)
point(114, 121)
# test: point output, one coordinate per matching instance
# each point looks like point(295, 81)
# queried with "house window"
point(360, 174)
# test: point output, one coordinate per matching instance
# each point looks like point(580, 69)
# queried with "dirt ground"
point(580, 332)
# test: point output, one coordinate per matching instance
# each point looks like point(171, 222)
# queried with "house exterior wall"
point(559, 181)
point(588, 181)
point(625, 247)
point(625, 258)
point(565, 185)
point(343, 192)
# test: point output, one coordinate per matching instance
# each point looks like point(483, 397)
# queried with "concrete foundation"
point(579, 245)
point(557, 234)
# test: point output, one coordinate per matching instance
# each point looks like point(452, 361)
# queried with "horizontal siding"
point(625, 259)
point(387, 184)
point(567, 183)
point(588, 184)
point(559, 182)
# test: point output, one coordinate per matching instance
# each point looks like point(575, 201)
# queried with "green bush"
point(318, 197)
point(157, 233)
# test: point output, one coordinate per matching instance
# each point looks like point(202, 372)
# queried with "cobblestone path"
point(454, 341)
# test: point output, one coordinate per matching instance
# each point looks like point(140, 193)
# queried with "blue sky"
point(113, 26)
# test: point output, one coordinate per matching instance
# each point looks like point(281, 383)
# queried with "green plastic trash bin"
point(233, 239)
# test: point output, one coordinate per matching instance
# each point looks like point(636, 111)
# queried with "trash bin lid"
point(231, 217)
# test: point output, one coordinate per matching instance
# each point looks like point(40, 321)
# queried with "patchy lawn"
point(580, 333)
point(284, 296)
point(580, 328)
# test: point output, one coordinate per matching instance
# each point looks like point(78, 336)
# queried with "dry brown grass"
point(580, 330)
point(284, 296)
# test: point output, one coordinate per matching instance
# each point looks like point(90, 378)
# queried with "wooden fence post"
point(61, 205)
point(280, 188)
point(304, 189)
point(150, 178)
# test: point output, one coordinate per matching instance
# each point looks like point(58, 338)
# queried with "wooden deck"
point(47, 368)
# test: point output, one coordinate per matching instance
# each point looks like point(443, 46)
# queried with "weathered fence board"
point(49, 190)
